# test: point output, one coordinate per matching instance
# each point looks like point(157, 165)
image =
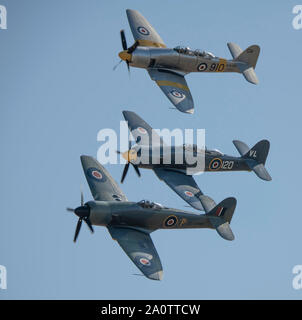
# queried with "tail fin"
point(246, 60)
point(255, 157)
point(220, 217)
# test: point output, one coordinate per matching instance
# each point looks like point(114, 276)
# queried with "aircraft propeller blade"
point(117, 64)
point(78, 228)
point(125, 172)
point(126, 168)
point(123, 38)
point(132, 48)
point(136, 169)
point(125, 48)
point(89, 224)
point(128, 67)
point(83, 212)
point(82, 197)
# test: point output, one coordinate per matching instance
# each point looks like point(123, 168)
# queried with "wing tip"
point(129, 11)
point(125, 112)
point(156, 275)
point(84, 157)
point(190, 111)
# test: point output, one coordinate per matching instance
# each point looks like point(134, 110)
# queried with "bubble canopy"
point(196, 52)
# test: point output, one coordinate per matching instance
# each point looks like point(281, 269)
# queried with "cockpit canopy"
point(149, 205)
point(215, 152)
point(197, 52)
point(192, 147)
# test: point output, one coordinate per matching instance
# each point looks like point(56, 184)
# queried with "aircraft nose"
point(82, 211)
point(124, 55)
point(130, 155)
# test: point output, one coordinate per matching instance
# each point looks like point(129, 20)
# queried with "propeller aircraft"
point(149, 144)
point(168, 66)
point(131, 223)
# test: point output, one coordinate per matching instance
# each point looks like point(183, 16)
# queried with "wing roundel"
point(101, 184)
point(142, 30)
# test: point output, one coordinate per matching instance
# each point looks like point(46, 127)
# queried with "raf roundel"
point(170, 221)
point(96, 174)
point(142, 130)
point(215, 164)
point(177, 94)
point(202, 67)
point(145, 261)
point(143, 30)
point(189, 194)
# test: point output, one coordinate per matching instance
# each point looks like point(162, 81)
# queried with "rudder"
point(258, 152)
point(249, 56)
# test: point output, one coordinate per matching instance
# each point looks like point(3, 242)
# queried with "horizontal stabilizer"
point(261, 172)
point(250, 75)
point(241, 147)
point(207, 203)
point(235, 49)
point(225, 231)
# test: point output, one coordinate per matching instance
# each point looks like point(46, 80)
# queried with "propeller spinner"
point(83, 212)
point(126, 54)
point(128, 156)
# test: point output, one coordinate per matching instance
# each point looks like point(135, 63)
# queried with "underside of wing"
point(142, 30)
point(174, 86)
point(184, 185)
point(141, 131)
point(140, 249)
point(102, 185)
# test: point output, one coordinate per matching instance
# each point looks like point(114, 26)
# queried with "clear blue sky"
point(57, 90)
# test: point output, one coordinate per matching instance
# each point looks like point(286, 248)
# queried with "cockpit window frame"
point(146, 204)
point(196, 52)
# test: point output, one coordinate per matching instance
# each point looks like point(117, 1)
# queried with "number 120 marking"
point(227, 165)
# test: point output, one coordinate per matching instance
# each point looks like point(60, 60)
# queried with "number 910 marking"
point(217, 67)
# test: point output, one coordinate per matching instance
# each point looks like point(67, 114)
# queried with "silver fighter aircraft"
point(130, 223)
point(149, 151)
point(168, 66)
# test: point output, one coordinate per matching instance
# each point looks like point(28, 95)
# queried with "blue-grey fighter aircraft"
point(148, 152)
point(168, 66)
point(130, 223)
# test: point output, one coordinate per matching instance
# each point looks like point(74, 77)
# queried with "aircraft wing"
point(140, 249)
point(141, 131)
point(142, 30)
point(174, 86)
point(102, 185)
point(184, 185)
